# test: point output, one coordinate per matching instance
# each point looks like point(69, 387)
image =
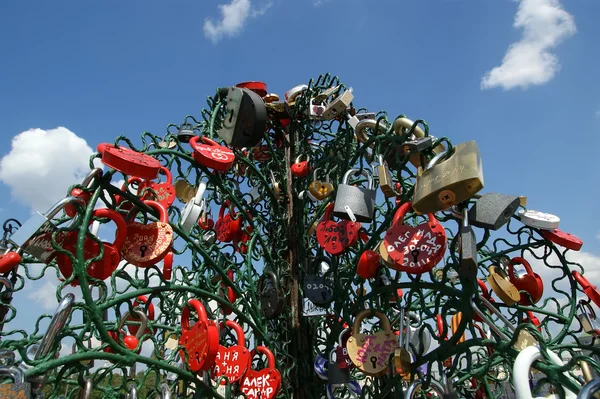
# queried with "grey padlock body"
point(246, 118)
point(19, 388)
point(468, 249)
point(335, 375)
point(493, 210)
point(360, 200)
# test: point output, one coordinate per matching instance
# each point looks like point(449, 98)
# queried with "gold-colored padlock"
point(385, 257)
point(454, 323)
point(370, 352)
point(320, 189)
point(448, 179)
point(385, 178)
point(502, 287)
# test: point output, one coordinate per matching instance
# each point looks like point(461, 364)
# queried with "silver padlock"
point(415, 388)
point(192, 210)
point(587, 318)
point(131, 391)
point(165, 391)
point(40, 226)
point(86, 391)
point(355, 201)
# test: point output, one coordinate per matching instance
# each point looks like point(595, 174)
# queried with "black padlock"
point(468, 249)
point(317, 287)
point(416, 146)
point(271, 300)
point(245, 120)
point(185, 133)
point(336, 376)
point(493, 210)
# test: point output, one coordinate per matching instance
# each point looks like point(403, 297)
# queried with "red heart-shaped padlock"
point(301, 168)
point(147, 244)
point(9, 261)
point(164, 192)
point(262, 384)
point(129, 162)
point(227, 228)
point(211, 154)
point(133, 329)
point(201, 341)
point(232, 362)
point(368, 264)
point(336, 237)
point(129, 341)
point(99, 269)
point(530, 282)
point(415, 249)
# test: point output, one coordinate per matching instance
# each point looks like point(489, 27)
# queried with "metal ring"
point(412, 389)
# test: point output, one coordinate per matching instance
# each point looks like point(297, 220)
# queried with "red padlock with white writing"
point(130, 342)
point(100, 269)
point(232, 362)
point(227, 228)
point(142, 300)
point(336, 237)
point(301, 168)
point(415, 249)
point(164, 192)
point(201, 341)
point(530, 282)
point(147, 244)
point(262, 384)
point(128, 161)
point(212, 155)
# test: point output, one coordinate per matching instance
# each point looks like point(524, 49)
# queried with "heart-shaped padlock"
point(100, 269)
point(164, 192)
point(211, 154)
point(370, 352)
point(133, 329)
point(343, 360)
point(301, 168)
point(232, 362)
point(147, 244)
point(530, 282)
point(262, 384)
point(201, 341)
point(129, 162)
point(226, 227)
point(502, 287)
point(135, 186)
point(368, 264)
point(320, 189)
point(317, 288)
point(415, 249)
point(336, 237)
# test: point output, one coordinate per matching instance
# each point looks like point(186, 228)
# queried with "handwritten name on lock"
point(370, 352)
point(434, 179)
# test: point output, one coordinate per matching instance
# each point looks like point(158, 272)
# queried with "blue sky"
point(519, 77)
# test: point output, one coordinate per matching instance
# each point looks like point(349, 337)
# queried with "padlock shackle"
point(143, 321)
point(239, 331)
point(143, 300)
point(299, 157)
point(353, 172)
point(163, 217)
point(15, 373)
point(167, 173)
point(385, 323)
point(267, 352)
point(484, 288)
point(359, 129)
point(7, 283)
point(95, 173)
point(487, 321)
point(119, 220)
point(519, 261)
point(583, 305)
point(401, 212)
point(589, 389)
point(406, 123)
point(442, 155)
point(433, 384)
point(341, 336)
point(58, 322)
point(185, 313)
point(88, 387)
point(198, 197)
point(132, 393)
point(56, 208)
point(439, 320)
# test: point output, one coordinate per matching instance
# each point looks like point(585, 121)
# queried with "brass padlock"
point(449, 179)
point(502, 287)
point(385, 178)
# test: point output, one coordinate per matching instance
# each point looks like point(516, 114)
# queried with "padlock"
point(128, 161)
point(233, 361)
point(417, 388)
point(317, 288)
point(590, 290)
point(587, 318)
point(201, 341)
point(206, 221)
point(88, 388)
point(147, 244)
point(531, 282)
point(385, 178)
point(131, 391)
point(265, 383)
point(417, 336)
point(354, 119)
point(35, 235)
point(454, 322)
point(19, 389)
point(336, 237)
point(493, 210)
point(538, 220)
point(142, 300)
point(468, 249)
point(360, 201)
point(419, 141)
point(336, 376)
point(259, 88)
point(86, 193)
point(370, 352)
point(342, 358)
point(320, 189)
point(563, 239)
point(301, 168)
point(164, 192)
point(373, 124)
point(521, 370)
point(449, 179)
point(369, 264)
point(292, 94)
point(193, 209)
point(131, 342)
point(337, 106)
point(415, 249)
point(269, 291)
point(402, 355)
point(134, 186)
point(590, 389)
point(523, 339)
point(212, 155)
point(502, 287)
point(185, 133)
point(228, 227)
point(165, 391)
point(245, 120)
point(104, 267)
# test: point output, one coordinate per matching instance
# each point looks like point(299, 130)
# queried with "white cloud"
point(42, 164)
point(530, 61)
point(233, 18)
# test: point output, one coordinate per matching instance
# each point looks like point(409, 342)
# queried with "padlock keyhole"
point(415, 254)
point(143, 249)
point(373, 360)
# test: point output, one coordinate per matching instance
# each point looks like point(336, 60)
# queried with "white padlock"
point(539, 220)
point(193, 209)
point(521, 368)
